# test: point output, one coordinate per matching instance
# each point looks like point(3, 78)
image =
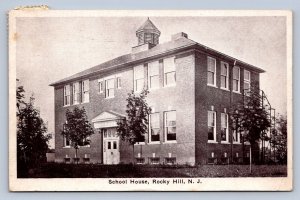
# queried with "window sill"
point(156, 142)
point(140, 143)
point(226, 89)
point(109, 97)
point(236, 143)
point(66, 147)
point(214, 86)
point(225, 142)
point(212, 142)
point(67, 105)
point(237, 92)
point(170, 142)
point(86, 146)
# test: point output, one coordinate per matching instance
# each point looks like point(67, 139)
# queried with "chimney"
point(179, 35)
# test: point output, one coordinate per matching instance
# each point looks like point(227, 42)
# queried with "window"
point(211, 71)
point(170, 125)
point(76, 93)
point(236, 136)
point(138, 74)
point(85, 142)
point(224, 127)
point(169, 72)
point(236, 79)
point(67, 95)
point(101, 86)
point(110, 88)
point(114, 144)
point(149, 38)
point(153, 75)
point(247, 84)
point(211, 126)
point(119, 82)
point(224, 75)
point(66, 140)
point(85, 91)
point(108, 145)
point(154, 127)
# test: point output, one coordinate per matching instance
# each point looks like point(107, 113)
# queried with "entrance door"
point(111, 152)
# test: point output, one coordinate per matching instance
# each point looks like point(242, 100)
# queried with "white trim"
point(215, 72)
point(135, 68)
point(212, 142)
point(247, 81)
point(214, 86)
point(170, 142)
point(139, 143)
point(227, 128)
point(164, 127)
point(227, 76)
point(155, 142)
point(149, 128)
point(153, 64)
point(239, 80)
point(83, 99)
point(215, 127)
point(165, 71)
point(106, 88)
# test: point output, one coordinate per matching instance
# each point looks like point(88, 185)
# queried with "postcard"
point(150, 100)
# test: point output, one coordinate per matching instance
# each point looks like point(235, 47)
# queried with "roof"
point(158, 50)
point(148, 25)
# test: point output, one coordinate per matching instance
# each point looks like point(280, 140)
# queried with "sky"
point(52, 48)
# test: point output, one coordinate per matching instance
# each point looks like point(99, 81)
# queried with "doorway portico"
point(106, 123)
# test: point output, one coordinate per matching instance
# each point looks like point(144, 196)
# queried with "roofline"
point(165, 53)
point(195, 46)
point(208, 49)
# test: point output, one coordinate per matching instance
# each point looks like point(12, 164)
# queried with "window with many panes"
point(236, 136)
point(236, 79)
point(85, 91)
point(224, 75)
point(119, 83)
point(153, 75)
point(170, 126)
point(138, 74)
point(154, 127)
point(247, 82)
point(211, 126)
point(66, 140)
point(211, 71)
point(169, 71)
point(76, 93)
point(101, 85)
point(110, 88)
point(67, 95)
point(224, 127)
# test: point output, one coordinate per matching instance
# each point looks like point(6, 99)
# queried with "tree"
point(135, 126)
point(252, 116)
point(77, 128)
point(32, 142)
point(279, 140)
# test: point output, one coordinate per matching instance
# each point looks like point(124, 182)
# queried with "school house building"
point(192, 88)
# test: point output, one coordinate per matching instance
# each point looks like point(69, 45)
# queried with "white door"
point(111, 152)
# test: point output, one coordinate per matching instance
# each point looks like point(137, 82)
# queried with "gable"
point(107, 116)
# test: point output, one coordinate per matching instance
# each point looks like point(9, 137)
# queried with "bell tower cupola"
point(148, 33)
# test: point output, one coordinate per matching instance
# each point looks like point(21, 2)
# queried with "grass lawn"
point(57, 170)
